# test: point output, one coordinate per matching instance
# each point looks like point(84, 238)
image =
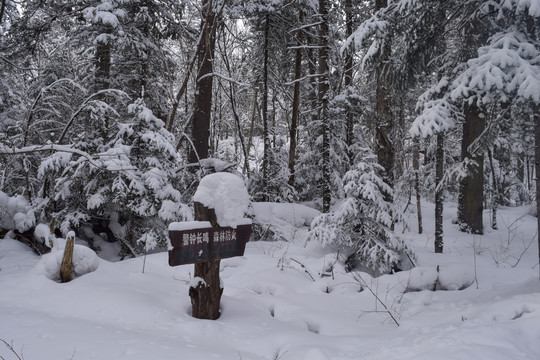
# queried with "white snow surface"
point(189, 225)
point(289, 300)
point(227, 195)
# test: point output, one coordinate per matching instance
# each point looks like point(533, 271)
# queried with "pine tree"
point(360, 226)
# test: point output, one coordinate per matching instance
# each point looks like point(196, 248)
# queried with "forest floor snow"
point(281, 301)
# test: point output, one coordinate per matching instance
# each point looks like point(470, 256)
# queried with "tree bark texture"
point(266, 131)
point(2, 9)
point(296, 101)
point(536, 112)
point(102, 63)
point(416, 168)
point(471, 189)
point(439, 193)
point(384, 146)
point(67, 261)
point(323, 104)
point(254, 114)
point(203, 95)
point(206, 293)
point(495, 197)
point(348, 79)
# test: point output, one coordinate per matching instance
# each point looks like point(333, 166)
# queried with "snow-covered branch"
point(226, 78)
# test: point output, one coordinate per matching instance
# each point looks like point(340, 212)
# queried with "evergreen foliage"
point(361, 224)
point(100, 101)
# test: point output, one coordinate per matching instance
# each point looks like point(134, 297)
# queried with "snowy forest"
point(375, 121)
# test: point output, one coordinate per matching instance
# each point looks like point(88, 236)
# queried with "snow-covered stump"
point(205, 291)
point(67, 260)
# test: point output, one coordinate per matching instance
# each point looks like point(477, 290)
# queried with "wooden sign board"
point(197, 241)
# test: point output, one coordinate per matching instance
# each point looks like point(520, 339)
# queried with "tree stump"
point(67, 260)
point(206, 293)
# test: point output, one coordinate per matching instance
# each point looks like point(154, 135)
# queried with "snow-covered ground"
point(281, 301)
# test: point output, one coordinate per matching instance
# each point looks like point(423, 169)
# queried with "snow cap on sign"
point(227, 195)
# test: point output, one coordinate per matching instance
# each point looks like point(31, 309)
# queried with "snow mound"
point(42, 233)
point(421, 278)
point(85, 261)
point(294, 214)
point(227, 195)
point(282, 220)
point(454, 276)
point(15, 213)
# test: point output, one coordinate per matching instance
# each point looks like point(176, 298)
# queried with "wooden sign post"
point(204, 243)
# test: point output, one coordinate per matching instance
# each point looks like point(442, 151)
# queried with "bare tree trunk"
point(266, 133)
point(102, 63)
point(416, 168)
point(203, 96)
point(384, 146)
point(439, 193)
point(312, 80)
point(471, 190)
point(495, 196)
point(2, 9)
point(348, 78)
point(529, 180)
point(254, 114)
point(323, 104)
point(536, 112)
point(296, 100)
point(208, 27)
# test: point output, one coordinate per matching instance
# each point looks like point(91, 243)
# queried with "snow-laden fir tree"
point(130, 183)
point(360, 226)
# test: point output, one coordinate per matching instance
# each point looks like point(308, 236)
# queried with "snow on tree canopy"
point(227, 195)
point(507, 65)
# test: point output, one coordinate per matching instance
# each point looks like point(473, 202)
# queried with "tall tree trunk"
point(536, 112)
point(200, 130)
point(532, 28)
point(529, 180)
point(323, 104)
point(254, 113)
point(471, 189)
point(348, 78)
point(384, 146)
point(2, 9)
point(312, 60)
point(296, 100)
point(439, 193)
point(102, 63)
point(416, 168)
point(495, 197)
point(266, 132)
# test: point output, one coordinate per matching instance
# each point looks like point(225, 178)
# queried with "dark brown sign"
point(192, 246)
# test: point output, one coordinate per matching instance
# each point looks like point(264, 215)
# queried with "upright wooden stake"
point(67, 260)
point(206, 292)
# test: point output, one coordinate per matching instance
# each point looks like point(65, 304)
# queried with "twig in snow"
point(10, 348)
point(303, 267)
point(359, 279)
